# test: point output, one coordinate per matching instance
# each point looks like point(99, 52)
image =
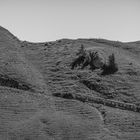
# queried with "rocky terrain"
point(42, 98)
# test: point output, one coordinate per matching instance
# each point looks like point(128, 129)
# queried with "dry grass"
point(44, 67)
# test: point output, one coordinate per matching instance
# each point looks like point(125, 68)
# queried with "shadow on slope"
point(13, 64)
point(5, 81)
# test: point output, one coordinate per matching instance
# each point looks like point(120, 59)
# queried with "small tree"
point(111, 67)
point(81, 50)
point(93, 58)
point(87, 58)
point(78, 61)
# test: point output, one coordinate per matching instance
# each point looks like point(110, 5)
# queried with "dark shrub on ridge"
point(111, 67)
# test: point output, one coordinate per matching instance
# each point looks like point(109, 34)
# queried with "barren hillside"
point(42, 98)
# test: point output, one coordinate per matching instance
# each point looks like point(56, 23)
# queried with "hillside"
point(42, 98)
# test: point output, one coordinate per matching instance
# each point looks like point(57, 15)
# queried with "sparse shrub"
point(95, 61)
point(67, 96)
point(85, 59)
point(111, 67)
point(81, 50)
point(59, 41)
point(46, 44)
point(63, 95)
point(90, 59)
point(78, 61)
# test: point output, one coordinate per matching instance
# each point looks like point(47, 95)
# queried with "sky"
point(50, 20)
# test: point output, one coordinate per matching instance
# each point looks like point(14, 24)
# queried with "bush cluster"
point(92, 59)
point(86, 58)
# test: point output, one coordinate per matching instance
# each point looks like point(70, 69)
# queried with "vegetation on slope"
point(88, 105)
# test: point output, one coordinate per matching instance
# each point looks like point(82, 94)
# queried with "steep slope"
point(14, 67)
point(122, 88)
point(54, 60)
point(58, 103)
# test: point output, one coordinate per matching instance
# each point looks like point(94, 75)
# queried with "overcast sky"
point(46, 20)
